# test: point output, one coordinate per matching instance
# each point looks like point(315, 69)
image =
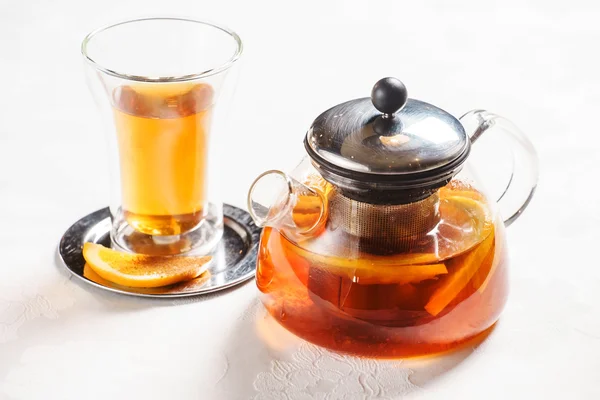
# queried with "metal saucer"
point(234, 260)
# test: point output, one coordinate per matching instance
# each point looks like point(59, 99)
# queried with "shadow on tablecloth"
point(265, 361)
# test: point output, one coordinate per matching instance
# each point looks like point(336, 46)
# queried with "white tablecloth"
point(534, 61)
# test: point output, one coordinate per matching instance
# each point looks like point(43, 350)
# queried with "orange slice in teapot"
point(462, 269)
point(369, 269)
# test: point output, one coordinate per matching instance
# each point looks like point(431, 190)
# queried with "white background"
point(533, 61)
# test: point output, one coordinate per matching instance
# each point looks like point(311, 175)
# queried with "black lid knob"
point(389, 95)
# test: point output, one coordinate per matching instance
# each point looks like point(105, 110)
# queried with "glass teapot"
point(383, 243)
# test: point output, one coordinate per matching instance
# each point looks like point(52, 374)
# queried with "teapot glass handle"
point(524, 175)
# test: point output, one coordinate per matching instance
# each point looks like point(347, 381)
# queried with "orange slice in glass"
point(136, 270)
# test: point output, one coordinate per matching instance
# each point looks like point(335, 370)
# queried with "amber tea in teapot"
point(390, 305)
point(383, 243)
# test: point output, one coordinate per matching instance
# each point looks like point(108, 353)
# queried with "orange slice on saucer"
point(178, 288)
point(137, 270)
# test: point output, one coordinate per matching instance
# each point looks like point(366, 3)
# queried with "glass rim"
point(181, 78)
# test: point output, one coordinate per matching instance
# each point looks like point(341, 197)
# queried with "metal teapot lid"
point(388, 147)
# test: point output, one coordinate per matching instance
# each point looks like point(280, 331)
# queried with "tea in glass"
point(163, 134)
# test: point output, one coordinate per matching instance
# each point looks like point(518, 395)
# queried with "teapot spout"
point(277, 200)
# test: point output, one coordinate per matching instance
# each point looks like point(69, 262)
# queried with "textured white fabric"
point(534, 61)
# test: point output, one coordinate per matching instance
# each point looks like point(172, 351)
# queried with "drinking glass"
point(163, 87)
